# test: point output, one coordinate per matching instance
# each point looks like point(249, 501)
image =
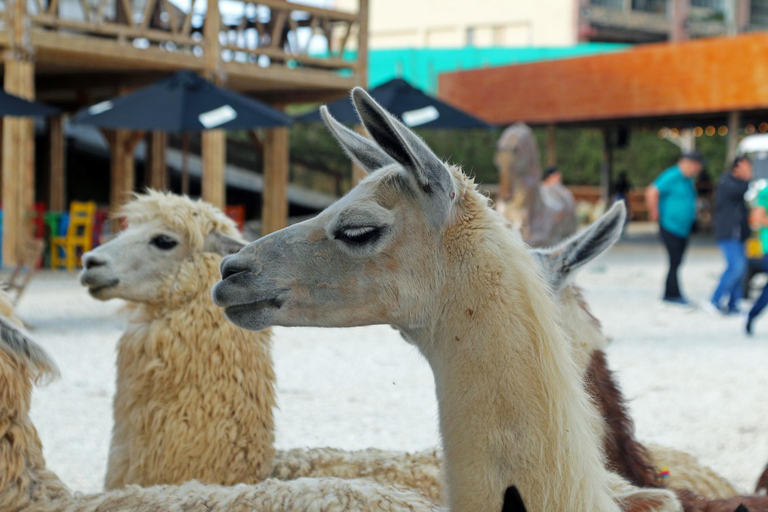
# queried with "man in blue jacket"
point(671, 200)
point(731, 231)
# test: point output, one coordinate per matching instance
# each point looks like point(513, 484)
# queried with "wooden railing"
point(286, 35)
point(264, 32)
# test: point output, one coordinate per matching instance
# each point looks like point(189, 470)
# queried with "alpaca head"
point(356, 263)
point(165, 234)
point(560, 264)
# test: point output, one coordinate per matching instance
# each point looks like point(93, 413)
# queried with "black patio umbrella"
point(11, 105)
point(182, 103)
point(412, 106)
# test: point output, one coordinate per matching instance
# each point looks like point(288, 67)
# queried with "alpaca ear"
point(18, 346)
point(513, 502)
point(363, 151)
point(222, 244)
point(407, 149)
point(560, 262)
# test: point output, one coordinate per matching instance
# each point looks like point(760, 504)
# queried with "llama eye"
point(164, 242)
point(359, 235)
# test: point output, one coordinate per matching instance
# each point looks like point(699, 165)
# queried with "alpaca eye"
point(164, 242)
point(359, 235)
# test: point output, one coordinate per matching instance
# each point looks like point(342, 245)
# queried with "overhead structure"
point(72, 57)
point(14, 106)
point(412, 106)
point(184, 102)
point(718, 82)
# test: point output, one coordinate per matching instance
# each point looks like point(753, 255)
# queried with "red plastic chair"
point(236, 212)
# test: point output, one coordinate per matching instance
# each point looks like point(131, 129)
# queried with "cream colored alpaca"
point(194, 393)
point(26, 485)
point(416, 246)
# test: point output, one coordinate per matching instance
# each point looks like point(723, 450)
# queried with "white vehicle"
point(755, 147)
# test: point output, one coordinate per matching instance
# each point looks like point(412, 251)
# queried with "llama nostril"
point(231, 267)
point(91, 262)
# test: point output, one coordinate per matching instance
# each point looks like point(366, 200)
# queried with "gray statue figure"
point(544, 212)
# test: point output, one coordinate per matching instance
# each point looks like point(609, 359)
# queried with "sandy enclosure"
point(696, 383)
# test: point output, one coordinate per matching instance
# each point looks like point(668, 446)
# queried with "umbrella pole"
point(184, 171)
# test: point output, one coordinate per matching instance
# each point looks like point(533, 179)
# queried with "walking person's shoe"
point(748, 327)
point(677, 301)
point(713, 309)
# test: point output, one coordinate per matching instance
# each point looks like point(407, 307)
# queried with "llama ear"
point(363, 151)
point(405, 147)
point(513, 502)
point(222, 244)
point(560, 262)
point(18, 346)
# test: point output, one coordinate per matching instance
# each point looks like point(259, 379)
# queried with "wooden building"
point(73, 53)
point(718, 82)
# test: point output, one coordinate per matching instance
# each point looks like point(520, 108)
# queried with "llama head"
point(559, 266)
point(561, 262)
point(166, 234)
point(355, 263)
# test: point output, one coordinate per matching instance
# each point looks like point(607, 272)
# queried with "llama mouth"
point(95, 290)
point(253, 316)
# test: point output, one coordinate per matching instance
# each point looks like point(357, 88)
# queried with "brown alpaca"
point(762, 483)
point(625, 454)
point(630, 458)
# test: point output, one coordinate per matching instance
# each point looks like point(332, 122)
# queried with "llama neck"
point(512, 407)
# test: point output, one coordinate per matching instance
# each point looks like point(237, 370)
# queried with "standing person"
point(758, 218)
point(731, 231)
point(671, 200)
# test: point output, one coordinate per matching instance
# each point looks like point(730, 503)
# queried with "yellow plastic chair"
point(79, 237)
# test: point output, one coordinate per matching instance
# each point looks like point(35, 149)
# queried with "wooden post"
point(606, 167)
point(275, 194)
point(358, 173)
point(362, 44)
point(214, 149)
point(18, 167)
point(743, 15)
point(57, 198)
point(122, 170)
point(155, 171)
point(734, 124)
point(214, 142)
point(679, 28)
point(551, 146)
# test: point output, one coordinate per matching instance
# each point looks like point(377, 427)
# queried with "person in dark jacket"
point(731, 230)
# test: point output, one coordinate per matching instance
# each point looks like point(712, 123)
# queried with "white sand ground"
point(696, 382)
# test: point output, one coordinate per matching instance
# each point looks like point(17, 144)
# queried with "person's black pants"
point(675, 246)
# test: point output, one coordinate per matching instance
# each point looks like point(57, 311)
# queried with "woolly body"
point(194, 393)
point(27, 486)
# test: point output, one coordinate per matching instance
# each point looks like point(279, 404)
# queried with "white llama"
point(416, 246)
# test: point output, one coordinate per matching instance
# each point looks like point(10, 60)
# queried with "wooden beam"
point(155, 171)
point(17, 161)
point(734, 125)
point(358, 173)
point(275, 195)
point(214, 148)
point(551, 146)
point(57, 185)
